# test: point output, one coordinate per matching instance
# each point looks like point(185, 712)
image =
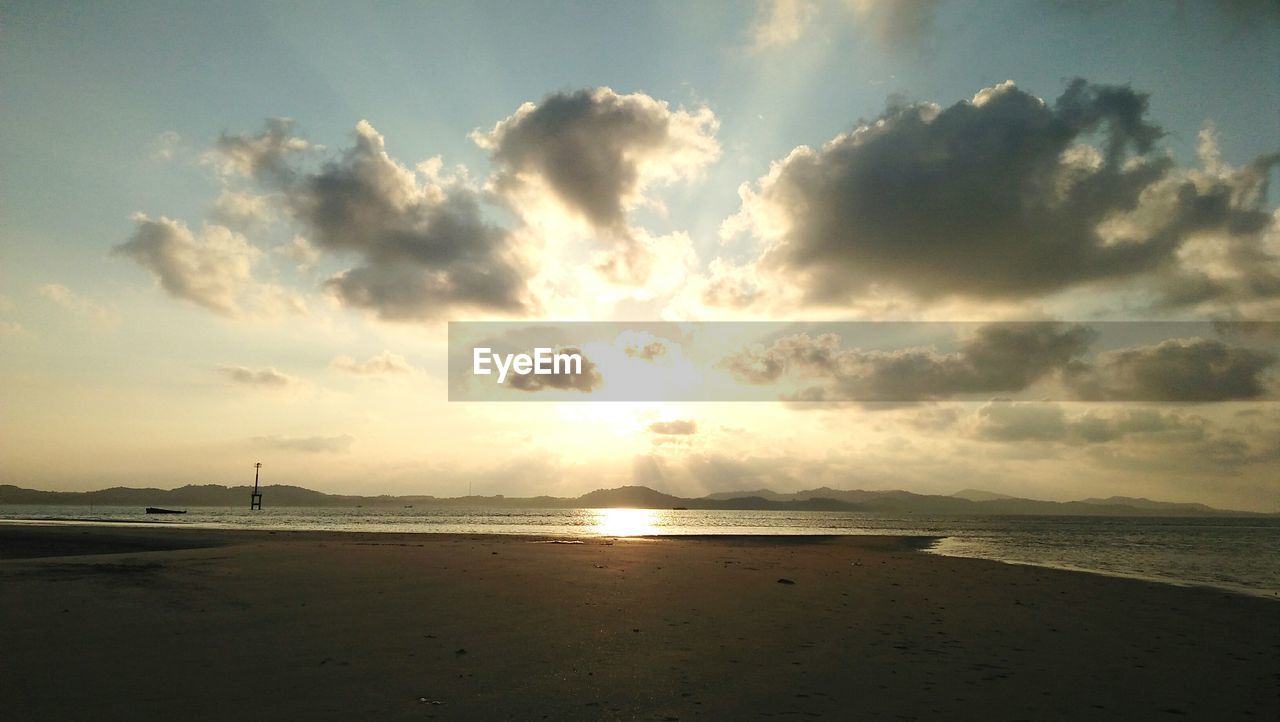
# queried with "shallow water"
point(1239, 554)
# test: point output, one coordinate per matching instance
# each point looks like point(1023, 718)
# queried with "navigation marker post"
point(255, 501)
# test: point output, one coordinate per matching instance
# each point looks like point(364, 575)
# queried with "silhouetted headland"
point(968, 501)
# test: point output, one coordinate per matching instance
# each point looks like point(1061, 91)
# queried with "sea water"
point(1237, 554)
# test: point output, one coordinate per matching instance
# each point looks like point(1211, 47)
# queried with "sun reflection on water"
point(626, 522)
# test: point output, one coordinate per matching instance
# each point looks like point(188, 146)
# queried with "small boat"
point(158, 510)
point(680, 508)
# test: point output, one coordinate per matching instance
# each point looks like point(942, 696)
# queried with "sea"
point(1231, 553)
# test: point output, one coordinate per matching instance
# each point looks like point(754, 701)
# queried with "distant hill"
point(1141, 503)
point(972, 501)
point(969, 501)
point(756, 493)
point(980, 495)
point(639, 497)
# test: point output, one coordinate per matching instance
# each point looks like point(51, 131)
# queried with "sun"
point(626, 522)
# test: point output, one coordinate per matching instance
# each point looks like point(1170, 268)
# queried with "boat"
point(158, 510)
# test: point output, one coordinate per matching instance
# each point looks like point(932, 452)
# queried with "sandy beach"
point(141, 622)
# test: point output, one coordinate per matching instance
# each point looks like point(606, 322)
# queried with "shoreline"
point(51, 534)
point(340, 625)
point(923, 543)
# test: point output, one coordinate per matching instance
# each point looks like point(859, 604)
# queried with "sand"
point(169, 623)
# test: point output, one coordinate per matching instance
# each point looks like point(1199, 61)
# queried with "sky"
point(233, 233)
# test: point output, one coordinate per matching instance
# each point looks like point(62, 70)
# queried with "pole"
point(255, 501)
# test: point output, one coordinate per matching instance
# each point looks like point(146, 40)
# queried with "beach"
point(148, 622)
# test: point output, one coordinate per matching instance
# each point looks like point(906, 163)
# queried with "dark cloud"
point(1014, 422)
point(582, 145)
point(1175, 370)
point(1003, 421)
point(1008, 358)
point(596, 151)
point(307, 444)
point(678, 427)
point(1268, 331)
point(591, 146)
point(424, 247)
point(1004, 196)
point(265, 378)
point(1223, 213)
point(586, 381)
point(998, 358)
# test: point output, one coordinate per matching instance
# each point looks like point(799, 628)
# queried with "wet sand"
point(162, 623)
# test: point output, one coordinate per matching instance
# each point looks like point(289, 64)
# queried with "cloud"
point(647, 351)
point(1007, 358)
point(596, 153)
point(424, 247)
point(895, 22)
point(12, 328)
point(781, 22)
point(165, 146)
point(1018, 422)
point(235, 209)
point(384, 364)
point(587, 381)
point(997, 358)
point(1003, 421)
point(1003, 196)
point(267, 378)
point(1231, 254)
point(70, 300)
point(210, 268)
point(422, 243)
point(300, 251)
point(598, 150)
point(265, 156)
point(307, 444)
point(1174, 370)
point(679, 427)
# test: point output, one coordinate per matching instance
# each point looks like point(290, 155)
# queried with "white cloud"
point(210, 268)
point(267, 378)
point(71, 301)
point(300, 251)
point(385, 363)
point(240, 210)
point(165, 146)
point(781, 22)
point(12, 328)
